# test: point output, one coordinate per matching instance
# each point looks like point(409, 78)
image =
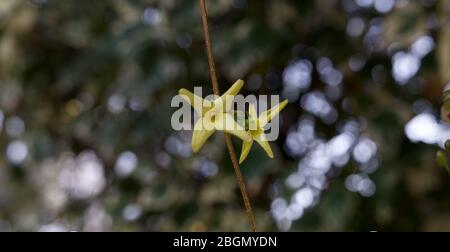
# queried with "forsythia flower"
point(256, 129)
point(214, 116)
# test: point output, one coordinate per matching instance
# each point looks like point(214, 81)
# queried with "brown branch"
point(215, 86)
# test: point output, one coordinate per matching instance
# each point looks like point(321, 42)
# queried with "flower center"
point(256, 132)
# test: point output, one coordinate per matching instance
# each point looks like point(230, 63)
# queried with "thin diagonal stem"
point(215, 86)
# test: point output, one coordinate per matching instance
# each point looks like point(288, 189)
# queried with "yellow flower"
point(256, 129)
point(214, 116)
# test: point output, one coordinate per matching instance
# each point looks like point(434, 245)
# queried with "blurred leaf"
point(404, 24)
point(443, 53)
point(441, 159)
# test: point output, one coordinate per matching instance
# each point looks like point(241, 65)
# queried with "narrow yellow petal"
point(252, 112)
point(234, 89)
point(252, 118)
point(262, 141)
point(226, 122)
point(269, 114)
point(201, 133)
point(246, 146)
point(199, 104)
point(225, 101)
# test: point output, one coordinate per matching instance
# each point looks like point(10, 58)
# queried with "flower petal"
point(225, 101)
point(200, 105)
point(252, 112)
point(227, 123)
point(269, 114)
point(234, 89)
point(202, 131)
point(262, 141)
point(252, 118)
point(246, 146)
